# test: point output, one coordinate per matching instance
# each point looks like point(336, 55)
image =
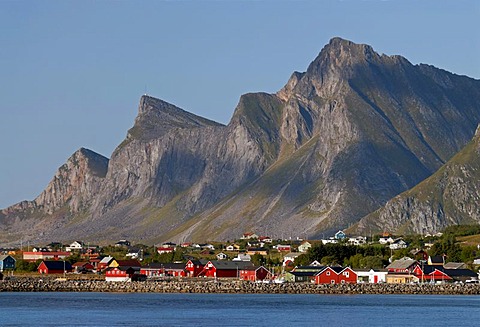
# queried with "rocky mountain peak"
point(156, 117)
point(341, 54)
point(94, 162)
point(75, 183)
point(333, 145)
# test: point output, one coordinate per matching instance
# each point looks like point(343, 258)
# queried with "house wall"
point(248, 275)
point(347, 276)
point(7, 263)
point(401, 279)
point(221, 273)
point(192, 269)
point(329, 276)
point(253, 275)
point(34, 256)
point(117, 275)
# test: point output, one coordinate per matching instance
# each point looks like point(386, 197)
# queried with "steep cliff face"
point(74, 185)
point(336, 143)
point(357, 128)
point(69, 194)
point(451, 196)
point(192, 158)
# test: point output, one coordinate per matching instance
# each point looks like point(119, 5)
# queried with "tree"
point(257, 259)
point(26, 266)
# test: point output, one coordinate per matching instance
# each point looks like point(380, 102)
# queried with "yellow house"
point(401, 279)
point(260, 251)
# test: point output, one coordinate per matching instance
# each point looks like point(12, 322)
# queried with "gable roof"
point(230, 265)
point(436, 259)
point(308, 268)
point(253, 268)
point(402, 263)
point(129, 263)
point(57, 265)
point(428, 269)
point(4, 256)
point(199, 262)
point(106, 260)
point(169, 265)
point(124, 268)
point(80, 264)
point(303, 273)
point(455, 265)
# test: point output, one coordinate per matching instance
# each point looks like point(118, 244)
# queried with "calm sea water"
point(140, 309)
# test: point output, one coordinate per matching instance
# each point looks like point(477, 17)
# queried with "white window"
point(328, 273)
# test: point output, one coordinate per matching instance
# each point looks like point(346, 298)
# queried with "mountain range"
point(347, 143)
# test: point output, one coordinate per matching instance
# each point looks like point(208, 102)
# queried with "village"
point(339, 259)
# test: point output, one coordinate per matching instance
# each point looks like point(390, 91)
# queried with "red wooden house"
point(104, 263)
point(336, 275)
point(255, 273)
point(195, 267)
point(404, 265)
point(284, 248)
point(432, 273)
point(223, 268)
point(82, 267)
point(164, 269)
point(121, 273)
point(54, 267)
point(125, 263)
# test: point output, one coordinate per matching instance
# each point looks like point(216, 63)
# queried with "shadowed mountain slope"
point(336, 143)
point(451, 196)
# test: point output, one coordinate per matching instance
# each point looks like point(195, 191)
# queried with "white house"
point(265, 239)
point(398, 244)
point(232, 247)
point(385, 240)
point(222, 256)
point(75, 246)
point(207, 247)
point(476, 261)
point(359, 240)
point(330, 241)
point(290, 257)
point(122, 243)
point(304, 246)
point(372, 276)
point(242, 257)
point(134, 253)
point(248, 236)
point(255, 244)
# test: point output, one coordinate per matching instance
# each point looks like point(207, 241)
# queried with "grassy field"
point(469, 240)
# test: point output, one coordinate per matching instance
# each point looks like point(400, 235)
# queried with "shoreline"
point(230, 286)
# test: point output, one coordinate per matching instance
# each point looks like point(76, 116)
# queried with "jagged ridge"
point(336, 143)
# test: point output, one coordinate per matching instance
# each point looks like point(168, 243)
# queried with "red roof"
point(129, 263)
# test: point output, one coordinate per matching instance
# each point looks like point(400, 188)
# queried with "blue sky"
point(72, 72)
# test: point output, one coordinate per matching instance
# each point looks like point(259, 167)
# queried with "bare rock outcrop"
point(341, 139)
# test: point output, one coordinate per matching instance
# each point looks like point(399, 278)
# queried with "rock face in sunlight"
point(451, 196)
point(334, 145)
